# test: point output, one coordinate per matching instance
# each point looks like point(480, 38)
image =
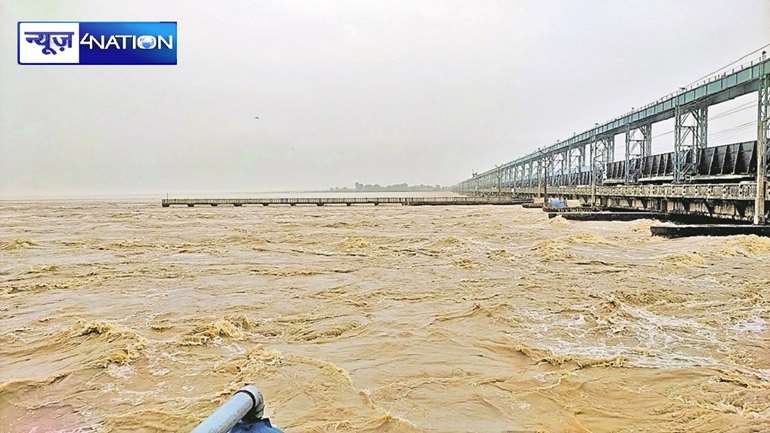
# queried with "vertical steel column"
point(627, 174)
point(507, 177)
point(524, 175)
point(600, 149)
point(528, 170)
point(637, 147)
point(646, 144)
point(678, 143)
point(605, 155)
point(499, 173)
point(564, 167)
point(551, 164)
point(531, 169)
point(763, 136)
point(546, 167)
point(700, 135)
point(593, 172)
point(697, 134)
point(609, 149)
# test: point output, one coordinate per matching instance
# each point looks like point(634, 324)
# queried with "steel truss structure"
point(587, 158)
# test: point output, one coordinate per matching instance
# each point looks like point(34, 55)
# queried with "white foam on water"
point(755, 324)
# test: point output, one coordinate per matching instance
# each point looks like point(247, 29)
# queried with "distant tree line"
point(396, 187)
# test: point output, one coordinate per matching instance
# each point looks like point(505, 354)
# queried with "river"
point(122, 316)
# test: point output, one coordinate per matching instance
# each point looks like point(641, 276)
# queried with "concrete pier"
point(575, 209)
point(680, 231)
point(609, 216)
point(343, 201)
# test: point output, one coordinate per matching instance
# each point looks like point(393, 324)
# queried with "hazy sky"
point(371, 91)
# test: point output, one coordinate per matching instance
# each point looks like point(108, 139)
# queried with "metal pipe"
point(246, 401)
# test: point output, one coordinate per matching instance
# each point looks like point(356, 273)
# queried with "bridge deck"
point(323, 201)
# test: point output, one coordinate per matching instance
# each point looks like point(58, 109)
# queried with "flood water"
point(127, 317)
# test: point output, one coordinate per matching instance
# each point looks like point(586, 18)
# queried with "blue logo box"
point(96, 43)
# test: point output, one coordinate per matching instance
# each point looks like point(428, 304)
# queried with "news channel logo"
point(97, 43)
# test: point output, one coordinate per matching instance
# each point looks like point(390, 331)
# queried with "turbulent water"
point(127, 317)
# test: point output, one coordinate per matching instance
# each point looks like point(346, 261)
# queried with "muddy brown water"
point(126, 317)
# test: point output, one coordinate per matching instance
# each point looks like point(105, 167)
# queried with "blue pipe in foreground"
point(241, 414)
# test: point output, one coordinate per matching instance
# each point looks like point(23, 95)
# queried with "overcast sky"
point(370, 91)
